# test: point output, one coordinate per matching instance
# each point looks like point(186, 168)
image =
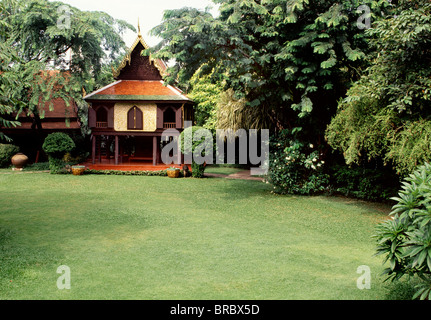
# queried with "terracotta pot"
point(173, 173)
point(78, 170)
point(19, 160)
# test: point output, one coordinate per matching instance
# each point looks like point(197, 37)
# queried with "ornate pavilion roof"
point(139, 78)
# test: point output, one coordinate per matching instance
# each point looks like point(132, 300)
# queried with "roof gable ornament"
point(159, 64)
point(139, 30)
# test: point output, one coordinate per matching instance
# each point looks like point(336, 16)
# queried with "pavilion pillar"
point(158, 151)
point(179, 154)
point(154, 150)
point(100, 149)
point(116, 150)
point(93, 150)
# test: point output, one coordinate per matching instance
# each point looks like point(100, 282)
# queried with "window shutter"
point(135, 119)
point(139, 119)
point(111, 117)
point(131, 119)
point(178, 118)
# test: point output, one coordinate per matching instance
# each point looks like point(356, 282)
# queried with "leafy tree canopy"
point(285, 58)
point(36, 39)
point(387, 113)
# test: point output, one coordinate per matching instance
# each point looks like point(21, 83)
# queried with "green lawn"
point(222, 170)
point(130, 237)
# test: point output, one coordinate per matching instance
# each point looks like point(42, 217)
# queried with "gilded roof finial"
point(139, 30)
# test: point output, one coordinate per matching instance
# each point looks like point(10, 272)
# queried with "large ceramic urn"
point(19, 161)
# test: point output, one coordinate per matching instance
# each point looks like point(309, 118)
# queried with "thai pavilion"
point(127, 117)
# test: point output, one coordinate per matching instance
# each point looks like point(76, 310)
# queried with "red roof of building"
point(61, 117)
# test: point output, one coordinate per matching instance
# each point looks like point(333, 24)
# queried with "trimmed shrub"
point(405, 240)
point(56, 145)
point(7, 151)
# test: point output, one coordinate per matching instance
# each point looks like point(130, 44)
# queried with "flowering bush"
point(295, 167)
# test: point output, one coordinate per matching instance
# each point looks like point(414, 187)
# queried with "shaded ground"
point(239, 174)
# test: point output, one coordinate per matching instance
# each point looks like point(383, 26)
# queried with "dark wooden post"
point(108, 149)
point(179, 154)
point(93, 150)
point(116, 150)
point(158, 151)
point(154, 150)
point(100, 149)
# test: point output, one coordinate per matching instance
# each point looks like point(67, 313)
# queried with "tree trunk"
point(37, 127)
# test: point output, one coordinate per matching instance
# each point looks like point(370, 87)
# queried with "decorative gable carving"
point(137, 67)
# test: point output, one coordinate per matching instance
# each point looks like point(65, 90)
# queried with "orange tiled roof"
point(138, 90)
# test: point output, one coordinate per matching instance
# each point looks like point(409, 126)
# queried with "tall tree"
point(387, 113)
point(288, 60)
point(7, 56)
point(41, 36)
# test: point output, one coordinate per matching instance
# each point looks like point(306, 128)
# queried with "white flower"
point(313, 167)
point(311, 146)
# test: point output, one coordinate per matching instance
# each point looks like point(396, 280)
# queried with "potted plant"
point(78, 170)
point(173, 172)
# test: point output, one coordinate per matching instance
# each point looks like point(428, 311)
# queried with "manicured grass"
point(221, 170)
point(133, 237)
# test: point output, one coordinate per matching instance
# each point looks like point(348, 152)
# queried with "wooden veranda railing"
point(169, 125)
point(101, 124)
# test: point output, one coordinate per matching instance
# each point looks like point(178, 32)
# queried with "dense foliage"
point(405, 240)
point(7, 151)
point(387, 113)
point(368, 183)
point(295, 167)
point(205, 93)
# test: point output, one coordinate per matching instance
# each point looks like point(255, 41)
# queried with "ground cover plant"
point(139, 237)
